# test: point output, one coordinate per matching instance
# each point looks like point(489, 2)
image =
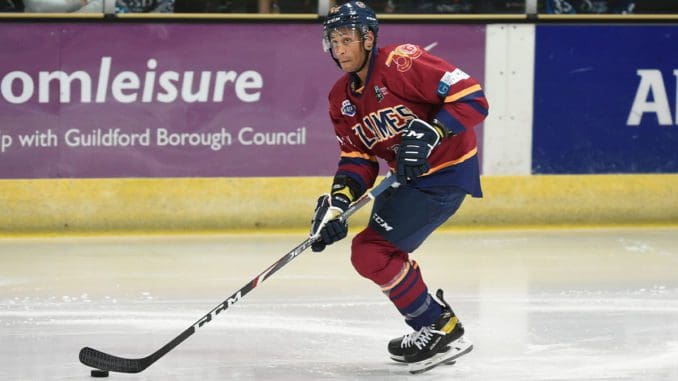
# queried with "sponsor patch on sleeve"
point(449, 79)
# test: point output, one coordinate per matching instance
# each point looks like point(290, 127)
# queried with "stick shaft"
point(104, 361)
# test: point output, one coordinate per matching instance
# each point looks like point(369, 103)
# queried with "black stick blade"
point(104, 361)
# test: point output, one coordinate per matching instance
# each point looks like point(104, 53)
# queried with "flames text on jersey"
point(383, 124)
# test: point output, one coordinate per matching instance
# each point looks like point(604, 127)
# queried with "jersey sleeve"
point(424, 77)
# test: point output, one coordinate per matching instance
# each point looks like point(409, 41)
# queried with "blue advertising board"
point(605, 99)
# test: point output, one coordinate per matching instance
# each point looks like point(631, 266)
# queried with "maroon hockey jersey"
point(406, 82)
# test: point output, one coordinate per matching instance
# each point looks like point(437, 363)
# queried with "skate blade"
point(404, 363)
point(455, 350)
point(401, 360)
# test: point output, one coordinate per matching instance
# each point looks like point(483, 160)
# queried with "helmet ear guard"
point(367, 41)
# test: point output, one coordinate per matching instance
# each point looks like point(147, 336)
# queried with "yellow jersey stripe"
point(462, 93)
point(450, 163)
point(462, 159)
point(358, 155)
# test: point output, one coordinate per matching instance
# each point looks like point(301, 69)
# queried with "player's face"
point(347, 48)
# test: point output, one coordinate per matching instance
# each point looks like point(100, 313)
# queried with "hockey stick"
point(104, 361)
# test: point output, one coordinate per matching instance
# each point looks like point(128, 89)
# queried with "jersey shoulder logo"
point(347, 108)
point(403, 55)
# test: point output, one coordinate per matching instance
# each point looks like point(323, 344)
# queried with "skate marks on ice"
point(286, 341)
point(538, 305)
point(291, 342)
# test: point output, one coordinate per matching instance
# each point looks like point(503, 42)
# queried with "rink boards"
point(201, 127)
point(286, 203)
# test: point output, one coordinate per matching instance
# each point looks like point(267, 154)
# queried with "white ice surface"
point(539, 305)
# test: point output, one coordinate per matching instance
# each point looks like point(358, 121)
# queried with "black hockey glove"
point(326, 222)
point(418, 140)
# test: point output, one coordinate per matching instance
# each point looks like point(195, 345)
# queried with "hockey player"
point(416, 112)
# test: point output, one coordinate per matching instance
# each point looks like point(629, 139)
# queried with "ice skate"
point(405, 344)
point(398, 346)
point(438, 343)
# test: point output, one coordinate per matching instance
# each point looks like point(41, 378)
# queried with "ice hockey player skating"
point(416, 112)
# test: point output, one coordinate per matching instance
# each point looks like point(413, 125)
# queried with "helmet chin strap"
point(367, 58)
point(368, 53)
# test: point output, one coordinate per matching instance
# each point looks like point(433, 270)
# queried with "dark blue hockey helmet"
point(353, 14)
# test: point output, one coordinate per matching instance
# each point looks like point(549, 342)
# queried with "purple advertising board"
point(100, 100)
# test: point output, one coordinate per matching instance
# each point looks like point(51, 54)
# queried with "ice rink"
point(577, 304)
